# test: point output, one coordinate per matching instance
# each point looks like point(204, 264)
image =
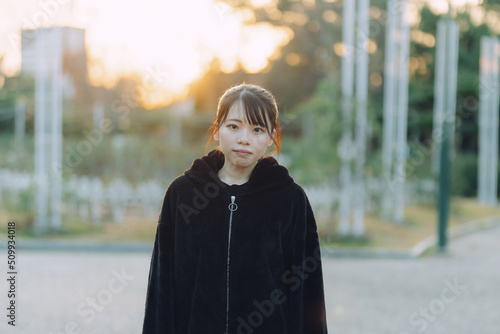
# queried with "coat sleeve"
point(303, 276)
point(159, 308)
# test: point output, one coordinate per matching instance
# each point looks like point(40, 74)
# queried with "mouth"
point(242, 152)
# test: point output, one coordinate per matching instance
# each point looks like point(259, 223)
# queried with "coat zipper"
point(232, 207)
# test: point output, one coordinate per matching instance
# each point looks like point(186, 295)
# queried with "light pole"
point(448, 35)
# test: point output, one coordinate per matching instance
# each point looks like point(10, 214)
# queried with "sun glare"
point(441, 6)
point(263, 3)
point(174, 41)
point(181, 37)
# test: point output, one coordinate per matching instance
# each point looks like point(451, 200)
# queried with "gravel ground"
point(89, 292)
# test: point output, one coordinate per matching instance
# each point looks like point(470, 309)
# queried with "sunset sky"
point(179, 37)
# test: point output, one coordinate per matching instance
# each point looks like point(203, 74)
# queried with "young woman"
point(236, 247)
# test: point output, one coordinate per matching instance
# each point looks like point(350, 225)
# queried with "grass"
point(133, 228)
point(420, 223)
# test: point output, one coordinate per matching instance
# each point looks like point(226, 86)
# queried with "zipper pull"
point(233, 206)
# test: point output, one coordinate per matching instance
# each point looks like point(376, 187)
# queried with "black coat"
point(235, 259)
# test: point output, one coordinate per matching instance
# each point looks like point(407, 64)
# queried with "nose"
point(243, 137)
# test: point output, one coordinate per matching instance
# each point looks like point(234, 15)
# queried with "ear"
point(216, 135)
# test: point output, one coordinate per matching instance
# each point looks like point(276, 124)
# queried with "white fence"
point(91, 199)
point(325, 199)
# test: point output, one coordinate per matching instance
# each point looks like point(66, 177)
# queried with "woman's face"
point(243, 144)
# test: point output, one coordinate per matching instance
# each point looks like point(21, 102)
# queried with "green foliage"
point(464, 175)
point(23, 202)
point(16, 155)
point(492, 2)
point(16, 88)
point(313, 157)
point(139, 158)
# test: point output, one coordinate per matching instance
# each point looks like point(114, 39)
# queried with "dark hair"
point(260, 109)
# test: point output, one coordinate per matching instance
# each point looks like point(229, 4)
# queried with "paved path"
point(104, 292)
point(413, 296)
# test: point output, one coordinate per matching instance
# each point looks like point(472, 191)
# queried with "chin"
point(242, 162)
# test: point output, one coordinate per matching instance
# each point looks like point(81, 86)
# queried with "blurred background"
point(102, 104)
point(389, 111)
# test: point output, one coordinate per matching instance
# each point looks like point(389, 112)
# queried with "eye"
point(232, 126)
point(259, 130)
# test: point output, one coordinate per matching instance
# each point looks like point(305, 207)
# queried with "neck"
point(234, 175)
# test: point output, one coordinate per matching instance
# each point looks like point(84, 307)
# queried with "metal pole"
point(495, 104)
point(484, 98)
point(41, 198)
point(444, 181)
point(402, 116)
point(488, 113)
point(347, 95)
point(451, 96)
point(444, 175)
point(439, 93)
point(444, 185)
point(362, 59)
point(389, 107)
point(56, 128)
point(489, 125)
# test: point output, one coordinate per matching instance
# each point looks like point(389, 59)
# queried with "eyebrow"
point(238, 120)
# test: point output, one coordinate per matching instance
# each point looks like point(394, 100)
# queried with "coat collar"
point(267, 175)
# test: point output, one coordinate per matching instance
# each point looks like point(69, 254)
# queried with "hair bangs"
point(255, 111)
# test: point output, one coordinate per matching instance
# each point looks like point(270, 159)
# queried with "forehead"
point(237, 111)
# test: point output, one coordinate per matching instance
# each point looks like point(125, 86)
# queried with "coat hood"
point(267, 175)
